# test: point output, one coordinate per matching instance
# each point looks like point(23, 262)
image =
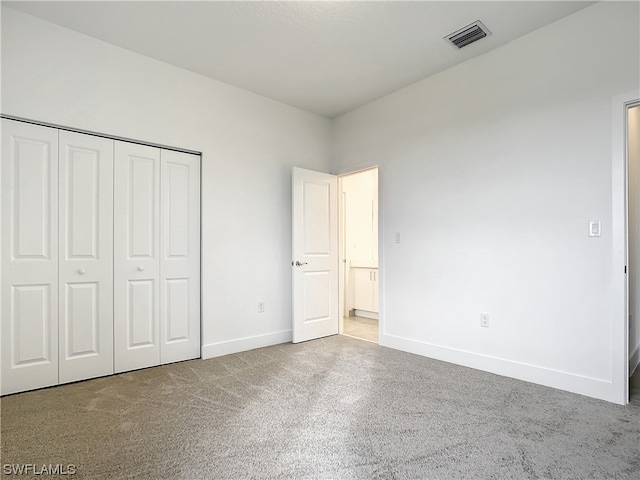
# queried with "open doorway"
point(633, 223)
point(359, 272)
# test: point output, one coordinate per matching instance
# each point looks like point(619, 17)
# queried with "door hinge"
point(625, 269)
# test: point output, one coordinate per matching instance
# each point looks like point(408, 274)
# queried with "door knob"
point(141, 268)
point(298, 264)
point(82, 271)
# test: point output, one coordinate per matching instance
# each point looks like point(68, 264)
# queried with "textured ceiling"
point(324, 57)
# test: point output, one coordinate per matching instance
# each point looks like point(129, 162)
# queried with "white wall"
point(248, 145)
point(491, 172)
point(634, 237)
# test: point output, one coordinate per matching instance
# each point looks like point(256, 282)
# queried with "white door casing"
point(315, 254)
point(180, 256)
point(29, 262)
point(619, 392)
point(136, 256)
point(85, 256)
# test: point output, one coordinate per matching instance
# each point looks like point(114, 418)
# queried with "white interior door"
point(180, 257)
point(29, 296)
point(315, 254)
point(136, 256)
point(85, 256)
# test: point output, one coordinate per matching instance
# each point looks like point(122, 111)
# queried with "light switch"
point(595, 228)
point(397, 237)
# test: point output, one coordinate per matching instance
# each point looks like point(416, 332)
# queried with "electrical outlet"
point(484, 320)
point(260, 307)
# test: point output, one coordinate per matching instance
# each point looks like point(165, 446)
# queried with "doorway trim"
point(619, 241)
point(342, 246)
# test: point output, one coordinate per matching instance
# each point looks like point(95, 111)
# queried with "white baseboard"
point(591, 387)
point(366, 314)
point(243, 344)
point(634, 360)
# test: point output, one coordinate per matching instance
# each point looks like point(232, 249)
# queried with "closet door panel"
point(141, 315)
point(86, 256)
point(29, 256)
point(30, 324)
point(180, 256)
point(137, 257)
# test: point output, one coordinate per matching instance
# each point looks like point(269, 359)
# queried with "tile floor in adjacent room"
point(361, 327)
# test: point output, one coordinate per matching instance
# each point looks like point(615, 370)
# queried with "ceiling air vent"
point(469, 34)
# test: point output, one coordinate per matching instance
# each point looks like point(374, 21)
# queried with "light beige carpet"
point(328, 409)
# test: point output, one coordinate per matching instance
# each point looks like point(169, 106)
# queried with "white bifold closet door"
point(29, 296)
point(157, 256)
point(136, 256)
point(100, 256)
point(179, 256)
point(85, 256)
